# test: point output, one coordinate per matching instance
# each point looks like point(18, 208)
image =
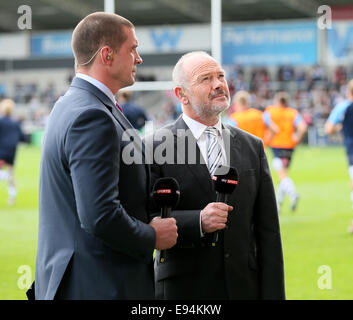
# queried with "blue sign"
point(166, 38)
point(292, 43)
point(340, 41)
point(56, 44)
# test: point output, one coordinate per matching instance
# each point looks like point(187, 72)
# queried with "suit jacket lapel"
point(232, 147)
point(124, 123)
point(198, 169)
point(83, 84)
point(119, 116)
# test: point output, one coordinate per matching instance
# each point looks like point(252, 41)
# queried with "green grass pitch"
point(318, 251)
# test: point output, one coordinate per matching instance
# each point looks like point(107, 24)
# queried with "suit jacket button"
point(227, 255)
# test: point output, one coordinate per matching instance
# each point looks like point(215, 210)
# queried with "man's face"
point(207, 90)
point(126, 59)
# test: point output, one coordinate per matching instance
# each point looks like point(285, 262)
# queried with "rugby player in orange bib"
point(291, 131)
point(252, 120)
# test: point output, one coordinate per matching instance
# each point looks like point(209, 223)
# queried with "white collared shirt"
point(198, 131)
point(102, 87)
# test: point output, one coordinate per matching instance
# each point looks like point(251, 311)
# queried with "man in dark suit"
point(95, 238)
point(247, 261)
point(10, 136)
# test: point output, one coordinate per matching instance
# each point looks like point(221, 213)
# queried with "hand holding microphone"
point(166, 232)
point(214, 216)
point(225, 181)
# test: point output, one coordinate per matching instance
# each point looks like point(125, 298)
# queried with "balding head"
point(181, 70)
point(201, 87)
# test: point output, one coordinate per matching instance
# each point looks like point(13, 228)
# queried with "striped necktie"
point(214, 150)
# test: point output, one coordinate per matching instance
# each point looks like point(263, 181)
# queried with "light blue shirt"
point(102, 87)
point(266, 118)
point(337, 114)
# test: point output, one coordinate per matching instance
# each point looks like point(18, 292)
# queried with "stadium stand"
point(35, 82)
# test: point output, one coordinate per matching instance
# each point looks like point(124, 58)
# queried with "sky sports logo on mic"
point(223, 180)
point(164, 191)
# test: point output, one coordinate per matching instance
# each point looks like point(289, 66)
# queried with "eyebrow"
point(202, 75)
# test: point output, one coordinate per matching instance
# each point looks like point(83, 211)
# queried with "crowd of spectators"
point(313, 91)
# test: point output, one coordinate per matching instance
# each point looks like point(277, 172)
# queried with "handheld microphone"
point(225, 180)
point(166, 194)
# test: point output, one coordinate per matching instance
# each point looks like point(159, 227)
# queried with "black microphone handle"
point(165, 213)
point(221, 197)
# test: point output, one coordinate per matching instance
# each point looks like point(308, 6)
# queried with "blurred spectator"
point(171, 111)
point(299, 75)
point(134, 113)
point(340, 77)
point(250, 119)
point(146, 77)
point(10, 135)
point(307, 117)
point(236, 79)
point(259, 79)
point(315, 89)
point(285, 73)
point(48, 96)
point(318, 73)
point(2, 91)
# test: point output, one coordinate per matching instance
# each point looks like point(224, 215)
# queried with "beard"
point(207, 110)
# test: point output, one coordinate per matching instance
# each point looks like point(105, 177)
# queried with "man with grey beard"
point(247, 261)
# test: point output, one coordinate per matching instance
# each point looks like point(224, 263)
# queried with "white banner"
point(173, 39)
point(15, 45)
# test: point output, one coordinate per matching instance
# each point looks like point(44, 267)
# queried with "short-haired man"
point(95, 238)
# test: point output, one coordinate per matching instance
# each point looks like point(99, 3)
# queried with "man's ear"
point(179, 92)
point(106, 55)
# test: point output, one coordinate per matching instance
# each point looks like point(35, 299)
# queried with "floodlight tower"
point(109, 6)
point(216, 30)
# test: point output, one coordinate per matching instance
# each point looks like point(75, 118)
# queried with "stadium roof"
point(65, 14)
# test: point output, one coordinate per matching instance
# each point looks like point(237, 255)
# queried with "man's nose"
point(138, 59)
point(217, 83)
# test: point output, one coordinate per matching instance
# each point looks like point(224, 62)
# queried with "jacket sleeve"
point(92, 148)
